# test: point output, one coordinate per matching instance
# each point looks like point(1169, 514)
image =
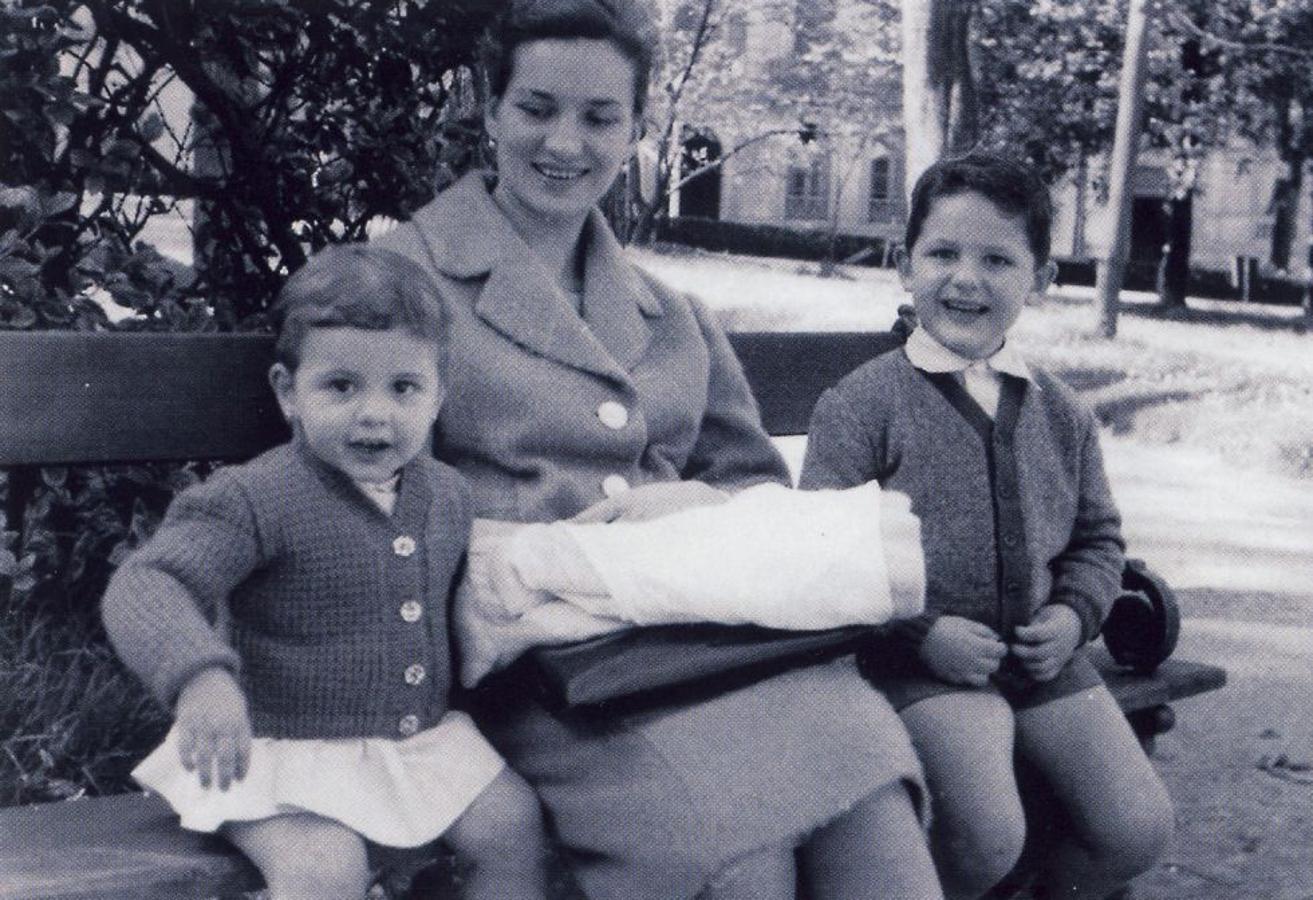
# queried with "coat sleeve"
point(732, 450)
point(1087, 574)
point(161, 604)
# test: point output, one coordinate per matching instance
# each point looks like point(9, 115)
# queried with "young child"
point(320, 720)
point(1022, 546)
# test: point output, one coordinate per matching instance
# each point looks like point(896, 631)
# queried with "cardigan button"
point(411, 611)
point(614, 485)
point(404, 545)
point(408, 725)
point(613, 415)
point(1009, 540)
point(415, 674)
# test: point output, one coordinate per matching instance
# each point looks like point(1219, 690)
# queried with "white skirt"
point(398, 793)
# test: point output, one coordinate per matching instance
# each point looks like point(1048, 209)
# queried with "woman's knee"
point(505, 819)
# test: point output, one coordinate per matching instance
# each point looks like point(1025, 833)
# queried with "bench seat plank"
point(127, 847)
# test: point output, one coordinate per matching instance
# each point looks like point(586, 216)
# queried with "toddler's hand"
point(652, 501)
point(214, 728)
point(962, 651)
point(1044, 646)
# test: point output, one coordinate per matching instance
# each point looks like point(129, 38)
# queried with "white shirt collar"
point(928, 355)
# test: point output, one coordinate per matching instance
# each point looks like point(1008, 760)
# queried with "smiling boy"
point(1022, 545)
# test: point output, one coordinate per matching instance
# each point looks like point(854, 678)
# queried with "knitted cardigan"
point(337, 612)
point(1014, 514)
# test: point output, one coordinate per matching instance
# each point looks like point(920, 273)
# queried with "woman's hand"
point(214, 728)
point(652, 501)
point(962, 651)
point(1045, 645)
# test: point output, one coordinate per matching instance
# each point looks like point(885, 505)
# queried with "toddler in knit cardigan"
point(1022, 544)
point(319, 720)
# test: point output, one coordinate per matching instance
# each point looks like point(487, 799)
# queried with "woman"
point(581, 387)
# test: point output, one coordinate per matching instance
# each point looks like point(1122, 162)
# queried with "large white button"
point(614, 484)
point(613, 415)
point(408, 725)
point(404, 545)
point(415, 674)
point(411, 611)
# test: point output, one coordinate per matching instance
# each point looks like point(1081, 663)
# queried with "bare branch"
point(1182, 22)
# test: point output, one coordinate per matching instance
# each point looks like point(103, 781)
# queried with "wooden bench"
point(70, 398)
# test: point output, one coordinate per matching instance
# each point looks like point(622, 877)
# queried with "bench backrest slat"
point(73, 397)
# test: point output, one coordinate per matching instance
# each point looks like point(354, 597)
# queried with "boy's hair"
point(356, 286)
point(1014, 187)
point(628, 24)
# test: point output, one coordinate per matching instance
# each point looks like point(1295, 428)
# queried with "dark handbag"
point(667, 664)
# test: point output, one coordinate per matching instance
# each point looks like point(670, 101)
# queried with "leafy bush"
point(311, 119)
point(758, 239)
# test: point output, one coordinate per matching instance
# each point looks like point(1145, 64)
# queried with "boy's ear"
point(1044, 276)
point(903, 261)
point(281, 380)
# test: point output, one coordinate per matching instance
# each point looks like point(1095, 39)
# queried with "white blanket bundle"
point(770, 556)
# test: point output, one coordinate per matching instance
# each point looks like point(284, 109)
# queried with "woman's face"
point(563, 128)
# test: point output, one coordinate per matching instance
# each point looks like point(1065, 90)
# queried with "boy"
point(321, 720)
point(1022, 545)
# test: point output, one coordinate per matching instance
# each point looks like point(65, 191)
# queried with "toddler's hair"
point(627, 24)
point(1014, 187)
point(356, 286)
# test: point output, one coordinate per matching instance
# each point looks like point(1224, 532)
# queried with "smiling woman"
point(580, 387)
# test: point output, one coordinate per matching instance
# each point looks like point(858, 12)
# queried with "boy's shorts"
point(904, 685)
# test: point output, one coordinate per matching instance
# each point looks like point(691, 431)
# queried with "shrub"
point(760, 239)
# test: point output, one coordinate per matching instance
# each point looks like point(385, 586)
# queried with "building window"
point(880, 208)
point(807, 191)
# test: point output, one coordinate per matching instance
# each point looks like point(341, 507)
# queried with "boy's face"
point(363, 401)
point(970, 273)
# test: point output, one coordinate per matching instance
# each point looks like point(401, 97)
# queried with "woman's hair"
point(1012, 186)
point(356, 286)
point(627, 24)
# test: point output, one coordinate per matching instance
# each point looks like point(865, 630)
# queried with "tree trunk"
point(1175, 264)
point(1285, 209)
point(940, 108)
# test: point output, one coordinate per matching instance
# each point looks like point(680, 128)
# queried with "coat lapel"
point(467, 237)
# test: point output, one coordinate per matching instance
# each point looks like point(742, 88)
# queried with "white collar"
point(928, 355)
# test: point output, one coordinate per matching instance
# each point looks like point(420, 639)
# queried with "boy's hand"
point(962, 651)
point(1044, 646)
point(652, 501)
point(214, 729)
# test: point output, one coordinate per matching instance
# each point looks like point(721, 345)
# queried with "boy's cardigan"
point(1013, 516)
point(338, 622)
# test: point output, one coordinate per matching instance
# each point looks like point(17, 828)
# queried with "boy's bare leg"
point(978, 827)
point(1119, 810)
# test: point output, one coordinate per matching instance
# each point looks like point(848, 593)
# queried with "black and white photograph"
point(656, 449)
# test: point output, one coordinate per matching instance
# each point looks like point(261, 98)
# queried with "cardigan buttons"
point(411, 611)
point(408, 725)
point(415, 674)
point(613, 415)
point(404, 545)
point(614, 485)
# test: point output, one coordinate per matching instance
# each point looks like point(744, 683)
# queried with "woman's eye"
point(534, 111)
point(602, 121)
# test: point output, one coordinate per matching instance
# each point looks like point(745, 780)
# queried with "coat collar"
point(468, 237)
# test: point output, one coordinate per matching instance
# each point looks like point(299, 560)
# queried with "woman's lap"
point(656, 803)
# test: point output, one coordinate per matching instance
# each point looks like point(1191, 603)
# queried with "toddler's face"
point(970, 273)
point(364, 401)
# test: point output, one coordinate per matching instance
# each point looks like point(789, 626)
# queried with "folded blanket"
point(770, 556)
